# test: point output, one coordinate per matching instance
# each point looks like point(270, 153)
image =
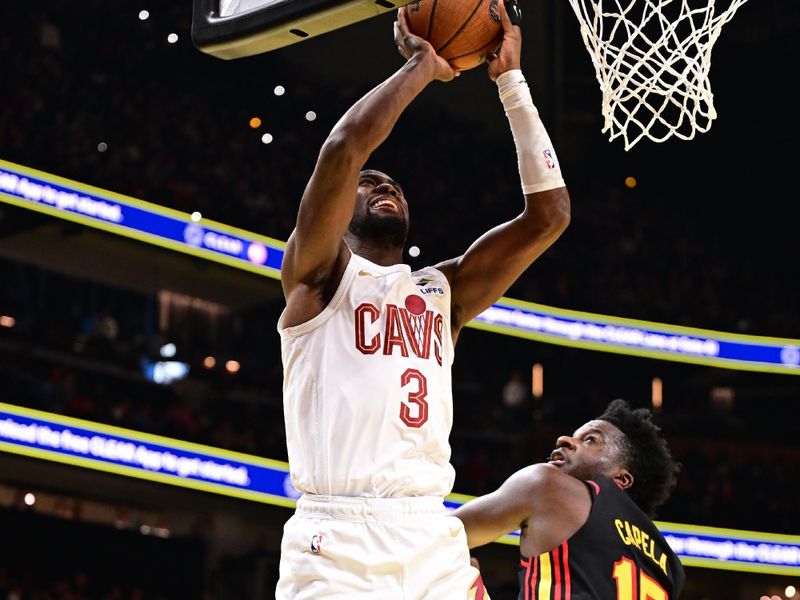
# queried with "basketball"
point(462, 32)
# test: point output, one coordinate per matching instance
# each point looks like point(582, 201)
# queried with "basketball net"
point(652, 59)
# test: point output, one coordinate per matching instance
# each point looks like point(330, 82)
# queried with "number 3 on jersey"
point(414, 397)
point(624, 571)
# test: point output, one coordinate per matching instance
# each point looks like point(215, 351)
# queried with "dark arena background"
point(146, 189)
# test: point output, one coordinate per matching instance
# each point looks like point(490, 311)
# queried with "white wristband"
point(539, 169)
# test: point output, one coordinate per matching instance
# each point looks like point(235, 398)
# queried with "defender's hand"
point(508, 55)
point(410, 45)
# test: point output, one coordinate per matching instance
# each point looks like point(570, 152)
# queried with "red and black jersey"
point(618, 554)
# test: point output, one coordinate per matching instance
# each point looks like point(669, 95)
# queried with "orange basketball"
point(462, 32)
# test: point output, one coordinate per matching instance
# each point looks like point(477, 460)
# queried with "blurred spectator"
point(515, 392)
point(188, 150)
point(191, 153)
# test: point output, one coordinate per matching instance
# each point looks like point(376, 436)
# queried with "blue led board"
point(122, 215)
point(164, 460)
point(115, 213)
point(134, 454)
point(640, 338)
point(734, 549)
point(718, 548)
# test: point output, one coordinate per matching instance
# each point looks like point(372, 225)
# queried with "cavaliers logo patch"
point(415, 304)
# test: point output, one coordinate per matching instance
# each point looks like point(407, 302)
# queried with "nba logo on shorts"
point(549, 160)
point(316, 544)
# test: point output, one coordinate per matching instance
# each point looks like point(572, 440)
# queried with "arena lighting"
point(174, 230)
point(537, 380)
point(100, 447)
point(657, 393)
point(165, 372)
point(29, 499)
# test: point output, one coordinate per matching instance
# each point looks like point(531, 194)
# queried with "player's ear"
point(623, 479)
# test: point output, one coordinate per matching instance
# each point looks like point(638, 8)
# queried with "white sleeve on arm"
point(539, 169)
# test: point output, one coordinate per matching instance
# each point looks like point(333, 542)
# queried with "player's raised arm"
point(494, 262)
point(315, 246)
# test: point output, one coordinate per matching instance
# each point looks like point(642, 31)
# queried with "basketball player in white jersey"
point(367, 348)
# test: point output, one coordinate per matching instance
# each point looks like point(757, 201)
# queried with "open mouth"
point(385, 202)
point(557, 457)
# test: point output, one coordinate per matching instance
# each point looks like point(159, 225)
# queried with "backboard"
point(231, 29)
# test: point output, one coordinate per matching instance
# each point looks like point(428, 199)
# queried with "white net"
point(652, 60)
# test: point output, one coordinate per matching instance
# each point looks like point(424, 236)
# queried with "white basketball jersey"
point(367, 391)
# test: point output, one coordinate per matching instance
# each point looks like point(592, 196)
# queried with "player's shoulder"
point(447, 267)
point(544, 489)
point(431, 280)
point(544, 478)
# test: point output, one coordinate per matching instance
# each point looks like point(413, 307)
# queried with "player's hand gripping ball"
point(463, 32)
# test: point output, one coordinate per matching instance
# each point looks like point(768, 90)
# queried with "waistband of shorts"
point(361, 508)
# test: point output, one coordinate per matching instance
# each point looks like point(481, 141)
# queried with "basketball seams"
point(456, 30)
point(461, 28)
point(430, 19)
point(482, 51)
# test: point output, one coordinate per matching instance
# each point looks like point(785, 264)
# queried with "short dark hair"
point(645, 453)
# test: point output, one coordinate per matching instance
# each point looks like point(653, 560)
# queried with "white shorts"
point(381, 548)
